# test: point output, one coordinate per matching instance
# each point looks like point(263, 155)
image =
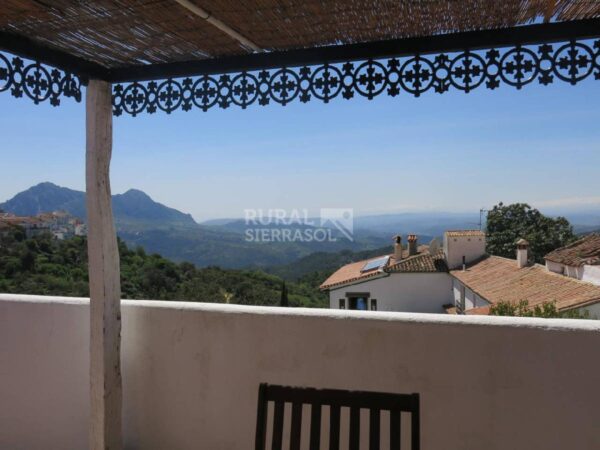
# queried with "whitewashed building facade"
point(461, 278)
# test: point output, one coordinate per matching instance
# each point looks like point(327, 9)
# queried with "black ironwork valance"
point(37, 81)
point(515, 67)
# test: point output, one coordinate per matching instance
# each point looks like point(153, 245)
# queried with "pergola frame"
point(322, 73)
point(462, 61)
point(444, 43)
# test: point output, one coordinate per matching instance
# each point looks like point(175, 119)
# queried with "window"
point(373, 304)
point(358, 303)
point(342, 303)
point(358, 300)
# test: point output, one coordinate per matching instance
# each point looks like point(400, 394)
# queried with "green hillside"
point(140, 221)
point(315, 268)
point(44, 266)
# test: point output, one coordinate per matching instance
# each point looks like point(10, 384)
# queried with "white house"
point(579, 260)
point(412, 280)
point(494, 279)
point(461, 279)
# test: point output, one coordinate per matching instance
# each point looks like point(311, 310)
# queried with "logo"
point(341, 219)
point(296, 225)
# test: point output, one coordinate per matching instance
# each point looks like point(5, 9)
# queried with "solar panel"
point(375, 264)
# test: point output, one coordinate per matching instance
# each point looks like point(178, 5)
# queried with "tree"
point(284, 296)
point(28, 261)
point(508, 223)
point(47, 266)
point(546, 310)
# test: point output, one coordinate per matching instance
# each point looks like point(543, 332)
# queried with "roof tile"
point(583, 251)
point(424, 262)
point(421, 262)
point(499, 279)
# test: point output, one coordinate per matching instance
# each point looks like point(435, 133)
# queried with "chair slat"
point(276, 443)
point(334, 428)
point(335, 399)
point(261, 419)
point(374, 429)
point(415, 424)
point(296, 431)
point(395, 429)
point(315, 427)
point(354, 428)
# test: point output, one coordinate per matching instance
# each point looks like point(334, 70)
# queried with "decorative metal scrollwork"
point(517, 67)
point(37, 81)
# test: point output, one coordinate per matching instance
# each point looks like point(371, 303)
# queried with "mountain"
point(137, 208)
point(218, 222)
point(207, 246)
point(425, 224)
point(323, 264)
point(46, 197)
point(140, 221)
point(134, 208)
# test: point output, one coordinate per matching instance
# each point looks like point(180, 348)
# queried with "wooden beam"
point(219, 24)
point(104, 274)
point(28, 48)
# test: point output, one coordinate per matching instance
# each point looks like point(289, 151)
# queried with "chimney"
point(412, 244)
point(398, 247)
point(522, 253)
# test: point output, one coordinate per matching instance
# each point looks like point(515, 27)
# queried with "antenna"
point(434, 246)
point(482, 211)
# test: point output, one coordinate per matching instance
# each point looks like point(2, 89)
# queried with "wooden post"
point(104, 274)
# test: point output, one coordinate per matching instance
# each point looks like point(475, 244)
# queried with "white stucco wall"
point(592, 310)
point(591, 274)
point(574, 272)
point(471, 247)
point(555, 267)
point(191, 373)
point(588, 273)
point(472, 300)
point(402, 292)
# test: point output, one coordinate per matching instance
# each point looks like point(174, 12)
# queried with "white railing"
point(191, 372)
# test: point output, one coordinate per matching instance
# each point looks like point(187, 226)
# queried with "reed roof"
point(119, 33)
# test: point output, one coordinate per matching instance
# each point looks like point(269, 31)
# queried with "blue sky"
point(451, 152)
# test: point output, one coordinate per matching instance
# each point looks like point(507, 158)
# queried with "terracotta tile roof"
point(499, 279)
point(457, 233)
point(423, 262)
point(479, 311)
point(583, 251)
point(351, 273)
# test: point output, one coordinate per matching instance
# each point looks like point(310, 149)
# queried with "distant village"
point(60, 224)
